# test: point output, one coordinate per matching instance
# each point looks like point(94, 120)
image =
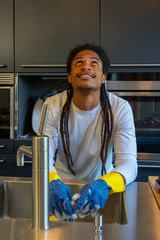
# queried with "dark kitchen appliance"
point(6, 106)
point(142, 91)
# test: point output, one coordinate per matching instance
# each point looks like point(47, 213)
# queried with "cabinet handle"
point(148, 166)
point(2, 146)
point(2, 160)
point(2, 65)
point(25, 161)
point(135, 94)
point(64, 65)
point(135, 65)
point(43, 65)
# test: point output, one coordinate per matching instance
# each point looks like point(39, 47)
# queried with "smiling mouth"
point(86, 75)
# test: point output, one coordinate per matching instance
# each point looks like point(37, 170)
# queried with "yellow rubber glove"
point(53, 176)
point(115, 181)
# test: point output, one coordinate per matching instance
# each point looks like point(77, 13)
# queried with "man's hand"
point(90, 198)
point(60, 196)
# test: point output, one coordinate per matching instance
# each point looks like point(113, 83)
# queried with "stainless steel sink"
point(16, 202)
point(16, 199)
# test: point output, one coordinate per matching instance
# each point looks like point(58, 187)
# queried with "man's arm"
point(125, 147)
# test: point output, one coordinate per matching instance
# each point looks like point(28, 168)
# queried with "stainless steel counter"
point(143, 222)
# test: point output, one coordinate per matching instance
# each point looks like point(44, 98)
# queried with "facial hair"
point(86, 91)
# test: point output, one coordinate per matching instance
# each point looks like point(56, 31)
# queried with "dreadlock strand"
point(107, 127)
point(65, 131)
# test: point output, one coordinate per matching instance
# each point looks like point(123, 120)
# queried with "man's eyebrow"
point(77, 58)
point(90, 57)
point(96, 58)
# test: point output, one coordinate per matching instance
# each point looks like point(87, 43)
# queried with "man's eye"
point(94, 63)
point(78, 63)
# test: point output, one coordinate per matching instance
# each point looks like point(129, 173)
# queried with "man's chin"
point(86, 90)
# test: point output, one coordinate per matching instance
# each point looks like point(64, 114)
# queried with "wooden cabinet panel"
point(130, 31)
point(6, 36)
point(26, 170)
point(23, 171)
point(147, 168)
point(45, 31)
point(6, 164)
point(6, 146)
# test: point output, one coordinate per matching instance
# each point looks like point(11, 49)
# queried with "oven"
point(6, 106)
point(144, 98)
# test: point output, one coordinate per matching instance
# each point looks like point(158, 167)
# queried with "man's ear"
point(104, 78)
point(69, 78)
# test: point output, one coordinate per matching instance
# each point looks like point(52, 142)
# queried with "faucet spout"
point(23, 150)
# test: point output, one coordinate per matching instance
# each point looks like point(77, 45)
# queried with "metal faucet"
point(39, 152)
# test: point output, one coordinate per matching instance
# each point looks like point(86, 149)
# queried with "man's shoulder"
point(120, 106)
point(57, 100)
point(114, 99)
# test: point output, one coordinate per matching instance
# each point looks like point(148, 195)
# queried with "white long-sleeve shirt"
point(85, 140)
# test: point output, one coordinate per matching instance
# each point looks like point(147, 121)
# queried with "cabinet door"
point(26, 170)
point(6, 164)
point(130, 31)
point(23, 171)
point(6, 36)
point(6, 146)
point(45, 31)
point(147, 168)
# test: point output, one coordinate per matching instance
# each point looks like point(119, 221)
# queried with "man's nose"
point(86, 66)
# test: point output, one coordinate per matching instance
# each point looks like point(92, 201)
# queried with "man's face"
point(86, 71)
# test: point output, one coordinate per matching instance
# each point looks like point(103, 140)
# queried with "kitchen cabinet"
point(130, 31)
point(6, 164)
point(26, 170)
point(23, 171)
point(147, 168)
point(6, 36)
point(6, 157)
point(45, 31)
point(6, 146)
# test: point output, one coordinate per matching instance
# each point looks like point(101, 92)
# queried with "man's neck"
point(85, 101)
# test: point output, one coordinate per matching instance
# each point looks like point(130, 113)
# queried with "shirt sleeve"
point(125, 147)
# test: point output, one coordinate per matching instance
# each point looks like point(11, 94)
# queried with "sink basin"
point(16, 202)
point(16, 199)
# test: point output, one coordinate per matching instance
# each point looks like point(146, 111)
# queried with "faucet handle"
point(43, 119)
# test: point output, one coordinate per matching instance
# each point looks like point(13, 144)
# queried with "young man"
point(85, 122)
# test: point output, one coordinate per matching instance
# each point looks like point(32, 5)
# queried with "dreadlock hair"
point(106, 111)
